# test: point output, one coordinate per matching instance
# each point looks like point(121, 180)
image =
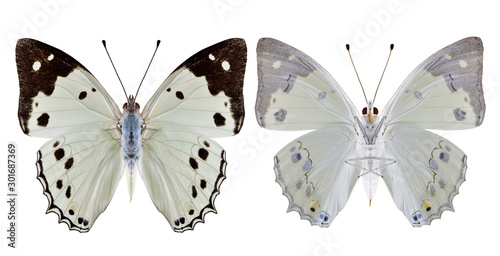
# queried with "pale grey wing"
point(295, 92)
point(79, 173)
point(183, 173)
point(427, 174)
point(204, 95)
point(444, 92)
point(58, 95)
point(313, 174)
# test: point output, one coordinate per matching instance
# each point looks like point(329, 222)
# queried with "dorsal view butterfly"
point(94, 142)
point(423, 171)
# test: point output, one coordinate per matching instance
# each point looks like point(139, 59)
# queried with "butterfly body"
point(370, 156)
point(131, 140)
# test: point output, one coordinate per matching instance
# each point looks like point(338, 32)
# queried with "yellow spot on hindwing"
point(427, 206)
point(313, 207)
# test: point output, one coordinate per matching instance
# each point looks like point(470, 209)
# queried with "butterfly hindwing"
point(58, 95)
point(292, 86)
point(204, 94)
point(313, 176)
point(444, 92)
point(183, 173)
point(428, 175)
point(79, 174)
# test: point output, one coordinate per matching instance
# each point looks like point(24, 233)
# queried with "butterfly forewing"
point(292, 86)
point(444, 92)
point(58, 95)
point(204, 94)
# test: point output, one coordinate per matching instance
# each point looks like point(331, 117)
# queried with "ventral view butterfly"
point(93, 142)
point(422, 170)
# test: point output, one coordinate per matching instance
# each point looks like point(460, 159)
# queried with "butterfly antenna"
point(348, 50)
point(157, 45)
point(112, 64)
point(392, 47)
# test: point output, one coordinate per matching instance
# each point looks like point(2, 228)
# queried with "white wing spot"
point(51, 57)
point(462, 63)
point(211, 56)
point(277, 64)
point(292, 57)
point(447, 56)
point(225, 65)
point(37, 65)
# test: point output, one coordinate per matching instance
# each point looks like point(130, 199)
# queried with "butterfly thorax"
point(131, 140)
point(370, 124)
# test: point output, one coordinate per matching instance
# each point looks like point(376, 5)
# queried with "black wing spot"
point(59, 184)
point(179, 95)
point(219, 120)
point(193, 163)
point(69, 163)
point(203, 153)
point(43, 120)
point(203, 184)
point(59, 154)
point(68, 192)
point(82, 95)
point(194, 193)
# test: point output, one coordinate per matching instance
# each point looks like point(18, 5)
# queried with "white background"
point(252, 216)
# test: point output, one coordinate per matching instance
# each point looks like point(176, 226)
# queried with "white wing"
point(203, 97)
point(428, 172)
point(313, 175)
point(183, 173)
point(59, 97)
point(204, 94)
point(295, 92)
point(444, 92)
point(79, 174)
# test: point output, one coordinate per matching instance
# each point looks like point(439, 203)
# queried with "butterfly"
point(422, 170)
point(93, 142)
